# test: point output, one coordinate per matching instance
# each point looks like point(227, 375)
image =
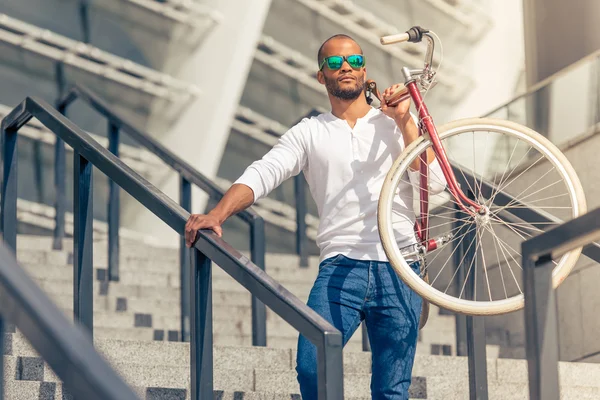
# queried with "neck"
point(349, 110)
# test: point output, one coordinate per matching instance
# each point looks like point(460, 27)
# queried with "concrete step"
point(64, 286)
point(437, 389)
point(133, 250)
point(177, 354)
point(28, 390)
point(145, 374)
point(132, 267)
point(435, 377)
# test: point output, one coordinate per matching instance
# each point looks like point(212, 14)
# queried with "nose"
point(346, 67)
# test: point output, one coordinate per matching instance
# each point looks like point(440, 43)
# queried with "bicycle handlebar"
point(397, 38)
point(414, 35)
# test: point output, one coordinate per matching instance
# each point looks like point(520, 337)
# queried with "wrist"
point(403, 120)
point(219, 215)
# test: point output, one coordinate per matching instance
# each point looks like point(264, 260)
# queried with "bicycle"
point(473, 217)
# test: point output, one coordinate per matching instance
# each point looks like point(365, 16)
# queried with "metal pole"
point(60, 166)
point(185, 201)
point(2, 339)
point(259, 311)
point(366, 345)
point(301, 240)
point(478, 386)
point(330, 367)
point(60, 161)
point(470, 330)
point(83, 267)
point(201, 344)
point(8, 203)
point(84, 18)
point(461, 319)
point(113, 209)
point(541, 329)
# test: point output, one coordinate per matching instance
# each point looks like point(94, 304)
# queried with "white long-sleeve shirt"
point(345, 169)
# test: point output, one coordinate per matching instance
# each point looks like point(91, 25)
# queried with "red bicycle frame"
point(426, 125)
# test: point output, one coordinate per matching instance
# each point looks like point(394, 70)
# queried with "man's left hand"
point(399, 112)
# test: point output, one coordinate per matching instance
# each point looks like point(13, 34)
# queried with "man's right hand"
point(201, 221)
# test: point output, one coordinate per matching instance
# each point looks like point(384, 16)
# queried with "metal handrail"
point(545, 82)
point(208, 246)
point(64, 346)
point(541, 321)
point(188, 176)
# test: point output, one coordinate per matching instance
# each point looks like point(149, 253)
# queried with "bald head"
point(323, 50)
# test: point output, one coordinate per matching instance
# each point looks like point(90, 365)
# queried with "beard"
point(352, 93)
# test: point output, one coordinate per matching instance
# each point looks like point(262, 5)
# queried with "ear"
point(320, 77)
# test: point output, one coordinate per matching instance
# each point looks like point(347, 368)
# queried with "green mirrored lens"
point(335, 62)
point(356, 61)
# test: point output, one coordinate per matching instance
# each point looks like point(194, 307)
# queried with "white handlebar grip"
point(397, 38)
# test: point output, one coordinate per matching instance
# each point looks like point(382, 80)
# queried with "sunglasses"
point(335, 62)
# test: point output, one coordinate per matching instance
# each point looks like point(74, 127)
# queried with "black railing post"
point(301, 239)
point(185, 201)
point(60, 166)
point(84, 19)
point(83, 268)
point(329, 364)
point(8, 205)
point(257, 254)
point(201, 343)
point(478, 387)
point(2, 339)
point(113, 209)
point(541, 329)
point(366, 345)
point(461, 319)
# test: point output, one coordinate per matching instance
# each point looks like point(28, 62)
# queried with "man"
point(345, 155)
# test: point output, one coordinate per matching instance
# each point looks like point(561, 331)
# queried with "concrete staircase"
point(136, 327)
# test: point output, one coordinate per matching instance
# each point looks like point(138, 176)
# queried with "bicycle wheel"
point(511, 160)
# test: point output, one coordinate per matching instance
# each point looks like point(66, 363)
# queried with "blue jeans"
point(348, 291)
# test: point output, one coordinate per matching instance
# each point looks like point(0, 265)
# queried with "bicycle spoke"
point(450, 258)
point(507, 246)
point(473, 170)
point(486, 147)
point(503, 173)
point(439, 249)
point(461, 261)
point(531, 194)
point(514, 201)
point(463, 174)
point(504, 251)
point(450, 220)
point(500, 268)
point(547, 198)
point(529, 203)
point(502, 188)
point(470, 267)
point(487, 279)
point(543, 208)
point(520, 228)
